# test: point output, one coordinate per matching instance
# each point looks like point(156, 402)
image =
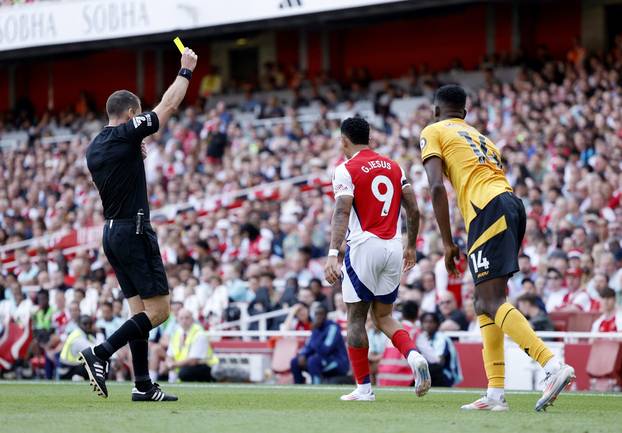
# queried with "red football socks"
point(402, 342)
point(360, 363)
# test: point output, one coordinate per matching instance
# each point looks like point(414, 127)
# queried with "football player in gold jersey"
point(495, 222)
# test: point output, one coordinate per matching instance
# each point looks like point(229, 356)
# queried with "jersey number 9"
point(385, 197)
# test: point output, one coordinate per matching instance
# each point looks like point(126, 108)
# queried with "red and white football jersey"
point(376, 184)
point(611, 324)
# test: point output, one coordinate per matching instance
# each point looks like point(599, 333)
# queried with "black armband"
point(186, 73)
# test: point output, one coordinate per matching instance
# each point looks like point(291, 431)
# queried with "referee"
point(115, 160)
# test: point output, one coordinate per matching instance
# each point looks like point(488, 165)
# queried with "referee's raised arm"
point(177, 91)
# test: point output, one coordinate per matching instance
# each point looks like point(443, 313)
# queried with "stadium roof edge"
point(304, 20)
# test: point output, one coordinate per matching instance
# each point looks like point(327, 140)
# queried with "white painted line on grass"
point(250, 386)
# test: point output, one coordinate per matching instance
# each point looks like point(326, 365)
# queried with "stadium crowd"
point(558, 125)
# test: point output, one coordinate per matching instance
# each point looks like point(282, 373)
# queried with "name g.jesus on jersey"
point(375, 164)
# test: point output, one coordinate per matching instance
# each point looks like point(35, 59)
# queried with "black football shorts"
point(495, 238)
point(135, 258)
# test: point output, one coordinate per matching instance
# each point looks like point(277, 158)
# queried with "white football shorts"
point(372, 271)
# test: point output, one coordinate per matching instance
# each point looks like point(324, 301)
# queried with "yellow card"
point(179, 45)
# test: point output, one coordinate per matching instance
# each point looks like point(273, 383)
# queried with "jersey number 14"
point(479, 262)
point(481, 151)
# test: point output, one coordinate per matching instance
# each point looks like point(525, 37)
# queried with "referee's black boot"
point(97, 370)
point(154, 394)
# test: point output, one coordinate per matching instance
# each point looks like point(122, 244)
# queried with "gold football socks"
point(492, 352)
point(514, 324)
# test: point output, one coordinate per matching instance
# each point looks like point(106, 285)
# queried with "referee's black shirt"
point(115, 161)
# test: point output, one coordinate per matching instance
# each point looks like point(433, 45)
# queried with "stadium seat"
point(284, 350)
point(604, 365)
point(581, 322)
point(560, 320)
point(577, 355)
point(14, 345)
point(470, 355)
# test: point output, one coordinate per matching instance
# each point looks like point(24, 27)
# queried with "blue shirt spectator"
point(324, 355)
point(447, 371)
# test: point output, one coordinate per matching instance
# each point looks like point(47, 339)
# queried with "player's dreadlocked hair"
point(451, 95)
point(121, 101)
point(356, 129)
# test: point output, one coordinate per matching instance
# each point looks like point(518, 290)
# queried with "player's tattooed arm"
point(434, 170)
point(409, 202)
point(341, 218)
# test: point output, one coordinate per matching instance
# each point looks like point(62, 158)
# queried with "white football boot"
point(358, 395)
point(423, 380)
point(486, 403)
point(555, 383)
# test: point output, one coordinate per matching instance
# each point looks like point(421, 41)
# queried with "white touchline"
point(249, 386)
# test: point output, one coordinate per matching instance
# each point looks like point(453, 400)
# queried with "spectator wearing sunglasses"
point(555, 289)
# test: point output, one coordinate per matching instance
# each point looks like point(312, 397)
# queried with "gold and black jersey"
point(471, 162)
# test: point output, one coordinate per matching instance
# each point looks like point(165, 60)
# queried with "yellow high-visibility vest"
point(181, 351)
point(66, 355)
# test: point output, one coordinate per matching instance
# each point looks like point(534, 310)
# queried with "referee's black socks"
point(140, 362)
point(135, 328)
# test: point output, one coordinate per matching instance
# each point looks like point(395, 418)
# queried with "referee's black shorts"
point(136, 259)
point(495, 238)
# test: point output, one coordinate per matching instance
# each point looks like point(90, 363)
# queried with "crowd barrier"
point(591, 354)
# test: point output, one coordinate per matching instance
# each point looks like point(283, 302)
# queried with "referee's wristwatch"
point(186, 73)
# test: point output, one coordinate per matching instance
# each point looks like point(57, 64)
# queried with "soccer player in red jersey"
point(369, 192)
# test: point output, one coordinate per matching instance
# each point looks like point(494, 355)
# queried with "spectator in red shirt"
point(611, 319)
point(298, 319)
point(577, 298)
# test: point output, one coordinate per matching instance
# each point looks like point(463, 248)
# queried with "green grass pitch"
point(66, 408)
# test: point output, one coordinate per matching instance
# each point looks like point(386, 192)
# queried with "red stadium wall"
point(552, 24)
point(390, 47)
point(149, 86)
point(314, 53)
point(4, 89)
point(287, 47)
point(503, 28)
point(433, 37)
point(97, 73)
point(31, 81)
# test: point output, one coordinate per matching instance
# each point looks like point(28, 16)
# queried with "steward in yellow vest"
point(79, 339)
point(190, 355)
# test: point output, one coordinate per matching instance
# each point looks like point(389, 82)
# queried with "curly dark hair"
point(451, 95)
point(356, 129)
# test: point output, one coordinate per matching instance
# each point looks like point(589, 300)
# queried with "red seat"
point(577, 355)
point(582, 322)
point(284, 350)
point(470, 355)
point(14, 344)
point(560, 320)
point(604, 365)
